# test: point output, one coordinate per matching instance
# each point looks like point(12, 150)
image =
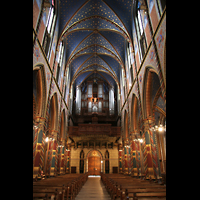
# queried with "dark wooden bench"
point(58, 191)
point(44, 196)
point(61, 187)
point(147, 192)
point(147, 195)
point(41, 193)
point(34, 178)
point(120, 187)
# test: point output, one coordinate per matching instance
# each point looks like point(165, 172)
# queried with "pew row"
point(64, 187)
point(123, 187)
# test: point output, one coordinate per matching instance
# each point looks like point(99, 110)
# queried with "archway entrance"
point(94, 163)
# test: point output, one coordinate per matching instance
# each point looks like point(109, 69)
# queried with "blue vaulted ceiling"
point(94, 33)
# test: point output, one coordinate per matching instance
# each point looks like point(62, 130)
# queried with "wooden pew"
point(44, 196)
point(147, 192)
point(147, 195)
point(121, 187)
point(41, 193)
point(34, 178)
point(61, 187)
point(58, 191)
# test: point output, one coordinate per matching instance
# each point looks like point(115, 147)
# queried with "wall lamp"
point(159, 128)
point(47, 139)
point(139, 139)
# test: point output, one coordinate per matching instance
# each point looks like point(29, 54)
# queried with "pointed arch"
point(53, 115)
point(134, 113)
point(126, 132)
point(165, 63)
point(62, 126)
point(90, 151)
point(149, 76)
point(39, 90)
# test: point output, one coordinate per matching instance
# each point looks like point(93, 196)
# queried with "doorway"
point(94, 165)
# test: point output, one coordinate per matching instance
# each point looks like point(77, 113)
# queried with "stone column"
point(134, 163)
point(38, 146)
point(149, 150)
point(126, 156)
point(52, 154)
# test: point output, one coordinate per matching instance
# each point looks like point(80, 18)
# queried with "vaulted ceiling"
point(95, 32)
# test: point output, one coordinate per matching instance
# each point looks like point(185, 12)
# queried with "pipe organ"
point(95, 97)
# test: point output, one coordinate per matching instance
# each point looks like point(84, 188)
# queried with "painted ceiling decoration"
point(95, 32)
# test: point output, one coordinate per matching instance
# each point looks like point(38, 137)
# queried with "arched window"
point(123, 85)
point(81, 162)
point(130, 67)
point(107, 162)
point(140, 30)
point(60, 58)
point(67, 83)
point(49, 28)
point(50, 18)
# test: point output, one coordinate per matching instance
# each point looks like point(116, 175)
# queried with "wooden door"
point(94, 165)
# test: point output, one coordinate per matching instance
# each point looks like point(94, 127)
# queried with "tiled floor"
point(93, 189)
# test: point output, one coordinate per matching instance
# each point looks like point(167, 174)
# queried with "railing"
point(95, 129)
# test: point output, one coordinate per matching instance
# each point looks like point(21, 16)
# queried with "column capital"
point(40, 120)
point(148, 122)
point(63, 142)
point(54, 134)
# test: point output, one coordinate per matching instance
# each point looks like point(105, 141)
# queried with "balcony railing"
point(94, 129)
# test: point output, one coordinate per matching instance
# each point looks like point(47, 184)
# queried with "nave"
point(99, 87)
point(93, 189)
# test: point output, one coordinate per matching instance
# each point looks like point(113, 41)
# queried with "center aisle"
point(93, 189)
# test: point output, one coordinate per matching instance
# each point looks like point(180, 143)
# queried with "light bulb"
point(47, 139)
point(140, 140)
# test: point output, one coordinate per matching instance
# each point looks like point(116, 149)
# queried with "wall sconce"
point(139, 139)
point(67, 150)
point(47, 139)
point(35, 127)
point(159, 128)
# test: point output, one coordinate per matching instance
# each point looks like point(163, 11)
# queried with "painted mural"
point(160, 39)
